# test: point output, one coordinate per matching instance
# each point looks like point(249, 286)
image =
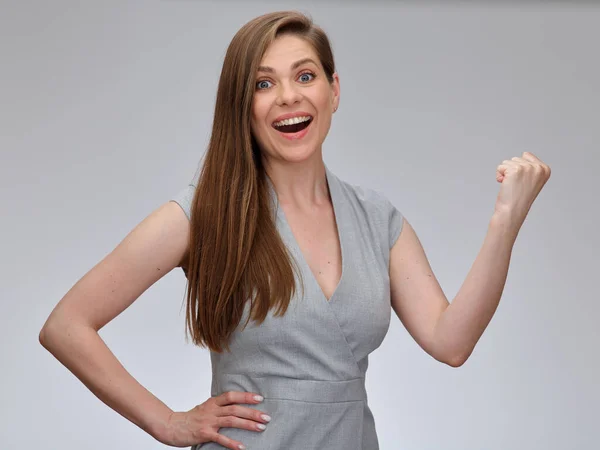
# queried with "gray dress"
point(310, 364)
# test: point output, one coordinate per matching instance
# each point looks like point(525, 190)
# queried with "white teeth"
point(292, 121)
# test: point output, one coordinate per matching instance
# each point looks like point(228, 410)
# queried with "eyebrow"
point(294, 66)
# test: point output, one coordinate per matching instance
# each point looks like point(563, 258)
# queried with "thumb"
point(501, 173)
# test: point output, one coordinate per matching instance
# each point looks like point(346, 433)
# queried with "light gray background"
point(107, 108)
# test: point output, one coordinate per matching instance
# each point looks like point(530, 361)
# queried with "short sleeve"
point(395, 224)
point(185, 197)
point(394, 220)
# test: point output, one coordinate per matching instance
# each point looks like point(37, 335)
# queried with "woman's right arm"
point(150, 251)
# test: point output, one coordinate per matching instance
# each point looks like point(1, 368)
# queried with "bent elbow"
point(42, 337)
point(45, 335)
point(49, 335)
point(457, 360)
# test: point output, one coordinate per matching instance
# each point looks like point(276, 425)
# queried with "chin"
point(298, 154)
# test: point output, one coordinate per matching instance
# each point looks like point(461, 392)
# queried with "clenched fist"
point(522, 179)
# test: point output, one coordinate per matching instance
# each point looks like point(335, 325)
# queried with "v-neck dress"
point(310, 364)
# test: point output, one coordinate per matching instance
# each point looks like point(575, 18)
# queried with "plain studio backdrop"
point(107, 109)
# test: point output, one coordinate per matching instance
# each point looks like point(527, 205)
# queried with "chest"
point(343, 310)
point(319, 243)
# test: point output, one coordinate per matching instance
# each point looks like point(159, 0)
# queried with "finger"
point(520, 160)
point(502, 168)
point(236, 422)
point(242, 411)
point(226, 442)
point(229, 397)
point(531, 161)
point(531, 157)
point(537, 162)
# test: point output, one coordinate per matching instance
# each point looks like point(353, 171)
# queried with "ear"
point(335, 89)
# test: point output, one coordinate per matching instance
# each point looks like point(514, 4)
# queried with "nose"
point(287, 94)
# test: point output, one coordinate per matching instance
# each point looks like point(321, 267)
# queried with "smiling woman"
point(306, 354)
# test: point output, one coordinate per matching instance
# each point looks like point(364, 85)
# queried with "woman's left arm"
point(450, 331)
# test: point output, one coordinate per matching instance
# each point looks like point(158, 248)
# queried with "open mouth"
point(293, 128)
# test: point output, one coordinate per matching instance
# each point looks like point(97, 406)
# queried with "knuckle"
point(227, 421)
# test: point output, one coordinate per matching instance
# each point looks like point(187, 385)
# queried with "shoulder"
point(376, 209)
point(370, 198)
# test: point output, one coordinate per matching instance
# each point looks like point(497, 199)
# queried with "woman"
point(264, 214)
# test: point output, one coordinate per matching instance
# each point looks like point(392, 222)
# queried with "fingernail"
point(258, 398)
point(241, 447)
point(265, 417)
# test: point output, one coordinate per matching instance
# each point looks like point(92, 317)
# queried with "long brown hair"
point(235, 252)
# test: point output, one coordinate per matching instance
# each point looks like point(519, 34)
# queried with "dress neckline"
point(333, 186)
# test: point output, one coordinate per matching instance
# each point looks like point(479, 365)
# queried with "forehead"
point(285, 50)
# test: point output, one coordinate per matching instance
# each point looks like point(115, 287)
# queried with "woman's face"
point(291, 83)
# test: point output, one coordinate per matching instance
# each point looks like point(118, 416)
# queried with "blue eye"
point(309, 74)
point(261, 81)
